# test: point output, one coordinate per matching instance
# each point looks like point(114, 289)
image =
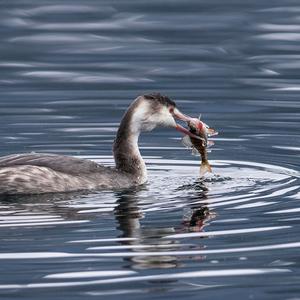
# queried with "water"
point(68, 72)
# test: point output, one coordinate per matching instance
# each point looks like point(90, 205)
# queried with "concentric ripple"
point(204, 230)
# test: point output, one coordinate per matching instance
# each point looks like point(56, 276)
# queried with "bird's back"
point(35, 173)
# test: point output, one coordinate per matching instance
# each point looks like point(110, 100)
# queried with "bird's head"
point(155, 110)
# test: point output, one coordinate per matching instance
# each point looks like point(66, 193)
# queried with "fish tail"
point(205, 167)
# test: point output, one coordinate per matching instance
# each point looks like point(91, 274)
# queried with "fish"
point(200, 145)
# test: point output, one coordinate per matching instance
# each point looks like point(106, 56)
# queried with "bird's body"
point(46, 173)
point(35, 173)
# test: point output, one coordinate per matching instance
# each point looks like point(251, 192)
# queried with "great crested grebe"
point(33, 173)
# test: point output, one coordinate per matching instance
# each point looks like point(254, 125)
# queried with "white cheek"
point(167, 119)
point(162, 119)
point(143, 121)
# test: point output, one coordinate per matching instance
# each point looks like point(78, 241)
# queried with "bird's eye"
point(171, 110)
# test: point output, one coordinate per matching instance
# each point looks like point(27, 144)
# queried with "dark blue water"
point(69, 69)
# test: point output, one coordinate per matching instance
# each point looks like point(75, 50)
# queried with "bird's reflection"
point(129, 215)
point(145, 239)
point(48, 203)
point(138, 235)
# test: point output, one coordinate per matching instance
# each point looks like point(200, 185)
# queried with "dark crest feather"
point(161, 99)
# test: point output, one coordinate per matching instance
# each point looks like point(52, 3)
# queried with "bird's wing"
point(59, 163)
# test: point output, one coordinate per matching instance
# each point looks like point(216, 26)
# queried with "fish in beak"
point(201, 129)
point(182, 117)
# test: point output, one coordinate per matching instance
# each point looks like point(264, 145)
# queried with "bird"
point(40, 173)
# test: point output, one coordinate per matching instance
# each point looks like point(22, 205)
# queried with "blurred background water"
point(69, 69)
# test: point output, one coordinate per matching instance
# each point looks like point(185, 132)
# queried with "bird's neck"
point(126, 151)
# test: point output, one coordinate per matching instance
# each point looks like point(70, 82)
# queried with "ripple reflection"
point(175, 221)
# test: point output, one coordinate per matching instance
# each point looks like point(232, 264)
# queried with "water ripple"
point(69, 70)
point(183, 275)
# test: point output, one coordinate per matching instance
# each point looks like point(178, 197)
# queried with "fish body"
point(198, 145)
point(203, 131)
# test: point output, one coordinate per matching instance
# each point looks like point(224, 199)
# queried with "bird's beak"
point(180, 116)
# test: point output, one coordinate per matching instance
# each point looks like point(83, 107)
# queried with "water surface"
point(68, 72)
